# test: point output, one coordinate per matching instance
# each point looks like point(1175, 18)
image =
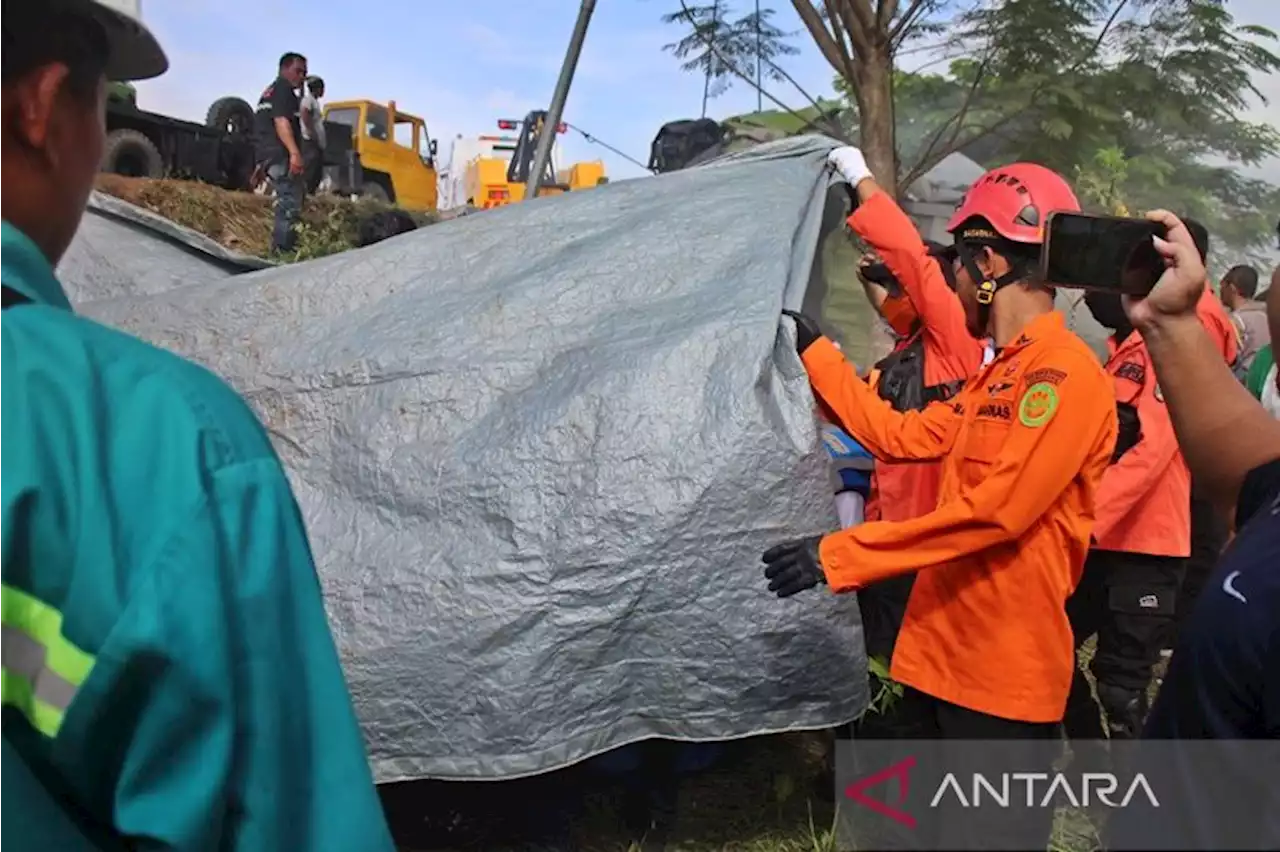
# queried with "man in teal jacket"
point(169, 680)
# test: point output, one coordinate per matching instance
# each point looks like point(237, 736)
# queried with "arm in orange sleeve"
point(888, 230)
point(1030, 469)
point(1220, 327)
point(887, 434)
point(1130, 480)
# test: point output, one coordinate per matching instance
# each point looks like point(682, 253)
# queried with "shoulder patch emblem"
point(1038, 405)
point(1132, 371)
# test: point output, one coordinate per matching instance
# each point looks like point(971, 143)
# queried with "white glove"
point(849, 162)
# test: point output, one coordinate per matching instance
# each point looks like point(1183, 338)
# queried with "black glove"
point(807, 330)
point(1129, 431)
point(794, 566)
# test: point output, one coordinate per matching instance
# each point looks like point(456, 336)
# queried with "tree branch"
point(862, 13)
point(846, 50)
point(846, 20)
point(818, 31)
point(901, 30)
point(885, 10)
point(932, 155)
point(958, 118)
point(838, 132)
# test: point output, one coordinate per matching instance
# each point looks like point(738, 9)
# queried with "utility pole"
point(549, 128)
point(759, 78)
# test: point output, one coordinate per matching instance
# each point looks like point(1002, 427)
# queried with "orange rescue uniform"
point(1219, 325)
point(1023, 447)
point(951, 354)
point(1144, 502)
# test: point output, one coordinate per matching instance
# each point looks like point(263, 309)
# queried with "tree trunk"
point(874, 92)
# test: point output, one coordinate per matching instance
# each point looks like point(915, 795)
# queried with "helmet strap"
point(987, 287)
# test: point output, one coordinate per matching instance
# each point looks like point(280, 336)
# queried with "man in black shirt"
point(1209, 745)
point(277, 133)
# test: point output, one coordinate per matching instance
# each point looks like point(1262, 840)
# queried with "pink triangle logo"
point(900, 771)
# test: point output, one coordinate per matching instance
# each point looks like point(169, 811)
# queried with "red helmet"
point(1016, 199)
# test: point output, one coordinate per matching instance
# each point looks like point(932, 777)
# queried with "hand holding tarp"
point(849, 164)
point(807, 330)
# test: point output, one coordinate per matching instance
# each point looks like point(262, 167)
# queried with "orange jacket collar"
point(1049, 324)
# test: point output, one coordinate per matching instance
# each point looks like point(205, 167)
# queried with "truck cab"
point(397, 156)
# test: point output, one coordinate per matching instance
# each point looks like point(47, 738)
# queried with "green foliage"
point(123, 92)
point(1141, 101)
point(1152, 118)
point(717, 43)
point(337, 229)
point(888, 691)
point(1099, 182)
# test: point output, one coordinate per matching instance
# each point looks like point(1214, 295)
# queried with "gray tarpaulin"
point(123, 250)
point(539, 451)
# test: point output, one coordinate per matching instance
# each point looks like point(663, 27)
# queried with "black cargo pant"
point(312, 165)
point(1128, 600)
point(882, 606)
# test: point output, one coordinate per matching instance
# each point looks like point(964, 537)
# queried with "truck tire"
point(231, 115)
point(130, 153)
point(374, 190)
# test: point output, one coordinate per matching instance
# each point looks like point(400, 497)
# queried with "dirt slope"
point(242, 220)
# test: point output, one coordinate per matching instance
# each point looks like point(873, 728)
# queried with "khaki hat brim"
point(134, 53)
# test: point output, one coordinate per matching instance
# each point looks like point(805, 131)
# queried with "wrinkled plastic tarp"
point(539, 451)
point(124, 250)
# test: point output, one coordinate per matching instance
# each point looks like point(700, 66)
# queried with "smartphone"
point(1109, 253)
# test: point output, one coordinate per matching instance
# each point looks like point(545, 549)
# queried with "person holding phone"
point(1223, 683)
point(985, 650)
point(1209, 527)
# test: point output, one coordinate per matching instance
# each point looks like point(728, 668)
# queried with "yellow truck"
point(499, 180)
point(397, 156)
point(398, 160)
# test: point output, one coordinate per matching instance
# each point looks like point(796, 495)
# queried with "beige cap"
point(134, 52)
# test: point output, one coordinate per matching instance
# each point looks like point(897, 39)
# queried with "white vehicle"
point(463, 151)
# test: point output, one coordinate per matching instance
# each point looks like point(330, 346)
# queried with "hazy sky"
point(463, 65)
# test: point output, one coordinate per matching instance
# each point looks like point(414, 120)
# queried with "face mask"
point(899, 313)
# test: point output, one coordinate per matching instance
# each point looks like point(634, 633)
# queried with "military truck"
point(220, 152)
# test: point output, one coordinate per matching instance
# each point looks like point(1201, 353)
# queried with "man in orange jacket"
point(936, 352)
point(1142, 537)
point(986, 650)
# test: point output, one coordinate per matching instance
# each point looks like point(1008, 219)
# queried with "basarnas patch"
point(1038, 405)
